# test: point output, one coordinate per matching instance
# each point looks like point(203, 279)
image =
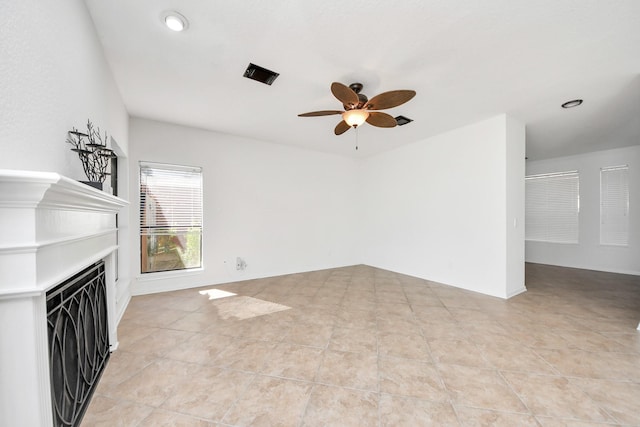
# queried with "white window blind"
point(552, 207)
point(614, 205)
point(170, 217)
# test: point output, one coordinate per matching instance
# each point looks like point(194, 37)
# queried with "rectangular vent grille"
point(255, 72)
point(402, 120)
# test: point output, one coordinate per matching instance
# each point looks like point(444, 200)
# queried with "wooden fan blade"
point(381, 120)
point(344, 94)
point(320, 113)
point(390, 99)
point(342, 128)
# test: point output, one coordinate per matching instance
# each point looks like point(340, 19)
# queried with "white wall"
point(515, 197)
point(281, 209)
point(53, 76)
point(437, 209)
point(588, 253)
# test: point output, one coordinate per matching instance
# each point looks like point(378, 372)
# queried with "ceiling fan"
point(358, 108)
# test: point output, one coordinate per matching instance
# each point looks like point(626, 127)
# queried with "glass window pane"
point(614, 206)
point(176, 251)
point(170, 217)
point(552, 207)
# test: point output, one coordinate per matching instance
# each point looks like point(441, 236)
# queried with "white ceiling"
point(467, 61)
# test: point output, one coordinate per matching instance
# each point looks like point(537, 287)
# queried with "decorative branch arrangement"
point(92, 150)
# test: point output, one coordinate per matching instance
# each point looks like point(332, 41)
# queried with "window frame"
point(626, 204)
point(170, 168)
point(547, 232)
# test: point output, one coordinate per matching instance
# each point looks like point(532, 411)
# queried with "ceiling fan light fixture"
point(355, 117)
point(174, 21)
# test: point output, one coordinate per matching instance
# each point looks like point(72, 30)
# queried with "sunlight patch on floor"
point(233, 306)
point(216, 293)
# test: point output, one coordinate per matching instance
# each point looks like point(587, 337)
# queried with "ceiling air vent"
point(255, 72)
point(402, 120)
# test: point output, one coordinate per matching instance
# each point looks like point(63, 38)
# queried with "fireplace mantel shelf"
point(28, 189)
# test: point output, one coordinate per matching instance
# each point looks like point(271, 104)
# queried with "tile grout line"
point(443, 384)
point(315, 378)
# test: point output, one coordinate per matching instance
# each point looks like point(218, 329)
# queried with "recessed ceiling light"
point(174, 21)
point(572, 103)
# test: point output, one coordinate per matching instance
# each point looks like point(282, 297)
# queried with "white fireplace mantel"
point(50, 228)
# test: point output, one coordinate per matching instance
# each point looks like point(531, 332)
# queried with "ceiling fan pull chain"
point(357, 137)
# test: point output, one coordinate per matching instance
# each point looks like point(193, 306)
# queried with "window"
point(170, 217)
point(614, 206)
point(552, 207)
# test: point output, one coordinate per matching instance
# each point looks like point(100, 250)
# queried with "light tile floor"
point(359, 346)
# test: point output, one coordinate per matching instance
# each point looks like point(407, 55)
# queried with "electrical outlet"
point(240, 264)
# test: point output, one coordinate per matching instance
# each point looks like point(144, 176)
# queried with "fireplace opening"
point(78, 333)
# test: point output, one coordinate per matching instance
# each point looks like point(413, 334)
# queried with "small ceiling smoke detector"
point(174, 21)
point(572, 103)
point(255, 72)
point(402, 120)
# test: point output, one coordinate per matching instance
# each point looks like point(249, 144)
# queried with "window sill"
point(161, 275)
point(552, 242)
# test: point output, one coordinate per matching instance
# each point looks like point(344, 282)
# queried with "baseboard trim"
point(171, 283)
point(123, 308)
point(511, 294)
point(581, 267)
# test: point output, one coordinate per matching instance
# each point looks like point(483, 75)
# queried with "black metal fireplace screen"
point(78, 342)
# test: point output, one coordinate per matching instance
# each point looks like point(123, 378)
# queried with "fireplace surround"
point(51, 228)
point(78, 335)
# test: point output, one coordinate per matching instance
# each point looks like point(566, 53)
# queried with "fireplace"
point(54, 230)
point(78, 335)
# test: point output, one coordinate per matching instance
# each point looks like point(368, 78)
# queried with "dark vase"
point(93, 184)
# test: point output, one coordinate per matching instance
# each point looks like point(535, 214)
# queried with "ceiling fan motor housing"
point(362, 98)
point(356, 87)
